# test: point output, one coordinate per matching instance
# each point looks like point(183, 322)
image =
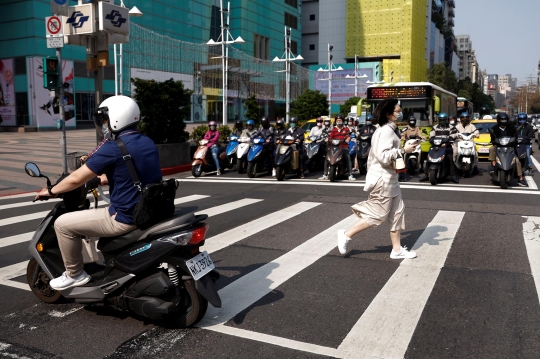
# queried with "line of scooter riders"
point(344, 148)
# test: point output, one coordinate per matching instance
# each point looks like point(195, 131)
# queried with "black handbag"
point(157, 199)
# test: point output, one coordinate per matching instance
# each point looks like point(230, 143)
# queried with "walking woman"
point(384, 202)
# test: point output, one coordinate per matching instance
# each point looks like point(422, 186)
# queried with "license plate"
point(200, 265)
point(483, 150)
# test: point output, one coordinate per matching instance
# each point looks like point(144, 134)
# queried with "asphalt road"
point(288, 293)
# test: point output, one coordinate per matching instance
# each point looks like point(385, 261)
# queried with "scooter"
point(203, 161)
point(364, 147)
point(336, 162)
point(466, 154)
point(130, 277)
point(521, 154)
point(256, 158)
point(241, 154)
point(287, 158)
point(412, 160)
point(506, 161)
point(230, 152)
point(438, 163)
point(315, 151)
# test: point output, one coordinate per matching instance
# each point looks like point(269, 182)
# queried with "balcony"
point(451, 12)
point(451, 3)
point(451, 22)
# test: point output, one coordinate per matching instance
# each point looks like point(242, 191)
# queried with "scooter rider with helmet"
point(250, 130)
point(279, 132)
point(298, 135)
point(412, 130)
point(327, 127)
point(443, 129)
point(212, 135)
point(526, 130)
point(503, 129)
point(238, 128)
point(465, 126)
point(267, 132)
point(317, 130)
point(340, 132)
point(120, 116)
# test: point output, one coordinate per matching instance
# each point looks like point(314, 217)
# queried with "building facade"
point(23, 44)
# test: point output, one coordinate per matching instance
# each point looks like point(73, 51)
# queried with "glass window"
point(312, 17)
point(312, 46)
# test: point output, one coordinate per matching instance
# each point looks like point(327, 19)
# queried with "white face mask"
point(106, 132)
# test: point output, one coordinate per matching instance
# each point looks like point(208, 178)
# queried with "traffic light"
point(50, 73)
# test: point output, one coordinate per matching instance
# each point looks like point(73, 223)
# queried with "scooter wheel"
point(280, 173)
point(196, 171)
point(251, 170)
point(191, 308)
point(332, 175)
point(466, 168)
point(502, 180)
point(433, 177)
point(38, 281)
point(240, 166)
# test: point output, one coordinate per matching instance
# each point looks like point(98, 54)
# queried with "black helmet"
point(294, 120)
point(502, 119)
point(279, 123)
point(339, 115)
point(412, 121)
point(265, 122)
point(239, 124)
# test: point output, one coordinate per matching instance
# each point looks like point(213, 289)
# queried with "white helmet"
point(120, 111)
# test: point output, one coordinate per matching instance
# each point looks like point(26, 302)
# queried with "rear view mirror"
point(32, 170)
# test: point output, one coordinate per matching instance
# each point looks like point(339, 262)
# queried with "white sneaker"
point(342, 241)
point(402, 254)
point(65, 281)
point(351, 178)
point(218, 173)
point(324, 177)
point(273, 173)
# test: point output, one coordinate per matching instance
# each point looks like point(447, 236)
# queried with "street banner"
point(45, 104)
point(7, 93)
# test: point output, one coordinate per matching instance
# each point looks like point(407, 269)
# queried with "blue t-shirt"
point(108, 159)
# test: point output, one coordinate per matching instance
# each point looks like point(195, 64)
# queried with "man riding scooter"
point(503, 129)
point(465, 126)
point(278, 134)
point(298, 134)
point(364, 143)
point(526, 130)
point(267, 133)
point(412, 131)
point(443, 129)
point(340, 132)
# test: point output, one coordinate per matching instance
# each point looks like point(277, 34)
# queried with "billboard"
point(45, 104)
point(342, 87)
point(7, 93)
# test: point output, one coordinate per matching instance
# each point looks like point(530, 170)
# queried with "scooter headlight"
point(339, 158)
point(335, 142)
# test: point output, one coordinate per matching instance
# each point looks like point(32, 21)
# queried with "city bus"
point(424, 100)
point(464, 105)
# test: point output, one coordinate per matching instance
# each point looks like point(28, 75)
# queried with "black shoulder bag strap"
point(127, 158)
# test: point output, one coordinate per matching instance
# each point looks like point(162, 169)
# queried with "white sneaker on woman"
point(342, 241)
point(65, 281)
point(402, 254)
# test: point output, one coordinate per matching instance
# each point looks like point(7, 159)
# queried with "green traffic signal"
point(50, 73)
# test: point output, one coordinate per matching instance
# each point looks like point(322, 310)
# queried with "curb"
point(176, 169)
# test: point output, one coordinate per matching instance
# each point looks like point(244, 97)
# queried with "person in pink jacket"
point(212, 135)
point(385, 203)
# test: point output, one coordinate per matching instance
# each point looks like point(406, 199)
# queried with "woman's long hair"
point(385, 107)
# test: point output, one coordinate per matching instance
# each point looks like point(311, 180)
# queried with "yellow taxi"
point(309, 124)
point(483, 143)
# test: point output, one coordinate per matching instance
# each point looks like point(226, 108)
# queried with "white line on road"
point(214, 211)
point(30, 203)
point(191, 198)
point(14, 271)
point(531, 235)
point(535, 163)
point(19, 238)
point(384, 332)
point(234, 235)
point(530, 182)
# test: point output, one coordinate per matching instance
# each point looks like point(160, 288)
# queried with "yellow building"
point(393, 31)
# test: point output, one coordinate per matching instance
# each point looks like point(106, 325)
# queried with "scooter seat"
point(177, 221)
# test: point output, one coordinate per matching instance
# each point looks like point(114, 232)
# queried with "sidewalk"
point(42, 148)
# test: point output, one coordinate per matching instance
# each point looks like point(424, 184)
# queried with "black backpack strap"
point(127, 158)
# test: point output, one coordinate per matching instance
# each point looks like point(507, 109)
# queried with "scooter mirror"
point(32, 169)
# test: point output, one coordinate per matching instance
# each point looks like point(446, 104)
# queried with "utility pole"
point(62, 113)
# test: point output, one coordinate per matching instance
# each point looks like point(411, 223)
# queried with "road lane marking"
point(384, 332)
point(417, 186)
point(243, 231)
point(14, 271)
point(30, 203)
point(214, 211)
point(530, 182)
point(191, 198)
point(19, 238)
point(535, 163)
point(531, 235)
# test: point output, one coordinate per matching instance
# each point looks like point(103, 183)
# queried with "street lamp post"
point(289, 56)
point(329, 69)
point(356, 77)
point(226, 39)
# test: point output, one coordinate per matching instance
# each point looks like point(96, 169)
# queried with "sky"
point(504, 34)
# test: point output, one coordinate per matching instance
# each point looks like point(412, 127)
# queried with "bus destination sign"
point(401, 92)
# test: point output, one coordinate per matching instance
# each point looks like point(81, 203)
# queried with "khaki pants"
point(493, 157)
point(91, 223)
point(378, 209)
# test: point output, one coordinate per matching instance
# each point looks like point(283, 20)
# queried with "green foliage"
point(464, 93)
point(443, 76)
point(474, 93)
point(198, 133)
point(311, 104)
point(253, 109)
point(346, 107)
point(164, 107)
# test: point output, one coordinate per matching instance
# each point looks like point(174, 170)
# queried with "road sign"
point(80, 20)
point(53, 26)
point(55, 42)
point(113, 18)
point(59, 7)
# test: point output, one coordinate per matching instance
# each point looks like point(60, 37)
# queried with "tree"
point(164, 107)
point(443, 76)
point(252, 108)
point(346, 107)
point(310, 104)
point(465, 93)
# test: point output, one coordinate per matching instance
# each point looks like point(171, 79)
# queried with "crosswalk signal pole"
point(61, 108)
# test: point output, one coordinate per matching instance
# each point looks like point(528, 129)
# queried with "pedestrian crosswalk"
point(384, 329)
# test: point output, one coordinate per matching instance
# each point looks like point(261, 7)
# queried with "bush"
point(164, 106)
point(199, 132)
